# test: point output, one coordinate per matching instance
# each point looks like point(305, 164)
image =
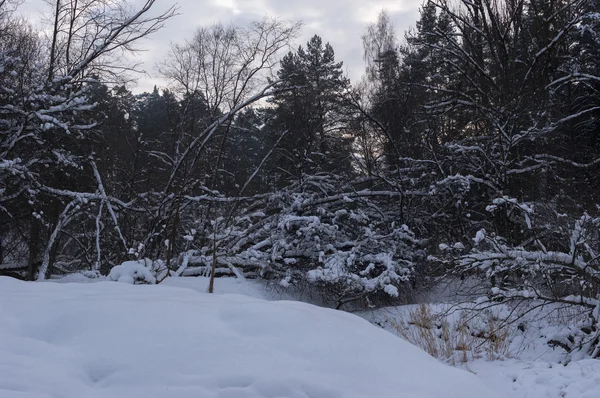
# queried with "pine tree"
point(311, 113)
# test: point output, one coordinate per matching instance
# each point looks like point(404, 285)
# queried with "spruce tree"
point(311, 113)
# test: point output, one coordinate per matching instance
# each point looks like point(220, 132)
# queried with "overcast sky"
point(339, 22)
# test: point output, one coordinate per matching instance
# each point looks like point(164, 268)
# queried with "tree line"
point(469, 149)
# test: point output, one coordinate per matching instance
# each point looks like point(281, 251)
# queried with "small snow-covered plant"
point(566, 272)
point(136, 272)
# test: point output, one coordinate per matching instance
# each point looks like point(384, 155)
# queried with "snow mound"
point(121, 341)
point(132, 272)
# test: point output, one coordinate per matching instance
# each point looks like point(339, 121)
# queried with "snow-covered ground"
point(246, 287)
point(117, 340)
point(540, 379)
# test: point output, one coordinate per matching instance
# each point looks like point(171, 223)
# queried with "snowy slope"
point(117, 340)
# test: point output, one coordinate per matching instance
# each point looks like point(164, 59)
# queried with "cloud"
point(339, 22)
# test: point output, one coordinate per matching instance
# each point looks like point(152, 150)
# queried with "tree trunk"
point(34, 249)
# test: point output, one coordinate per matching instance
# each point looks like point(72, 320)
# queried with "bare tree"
point(227, 64)
point(91, 37)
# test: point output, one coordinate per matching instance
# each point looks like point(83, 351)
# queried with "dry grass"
point(456, 337)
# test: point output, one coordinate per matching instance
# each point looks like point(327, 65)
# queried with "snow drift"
point(117, 340)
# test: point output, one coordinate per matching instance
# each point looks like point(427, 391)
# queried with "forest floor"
point(117, 340)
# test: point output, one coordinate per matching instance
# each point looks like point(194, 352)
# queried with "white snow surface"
point(246, 287)
point(541, 379)
point(116, 340)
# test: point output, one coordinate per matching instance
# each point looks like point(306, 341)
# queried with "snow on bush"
point(348, 245)
point(133, 272)
point(565, 270)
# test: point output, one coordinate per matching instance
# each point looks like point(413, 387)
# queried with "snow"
point(117, 340)
point(479, 236)
point(391, 290)
point(246, 287)
point(541, 379)
point(80, 277)
point(132, 272)
point(250, 342)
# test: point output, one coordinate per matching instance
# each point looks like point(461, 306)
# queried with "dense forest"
point(470, 149)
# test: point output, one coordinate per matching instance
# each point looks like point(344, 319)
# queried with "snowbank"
point(116, 340)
